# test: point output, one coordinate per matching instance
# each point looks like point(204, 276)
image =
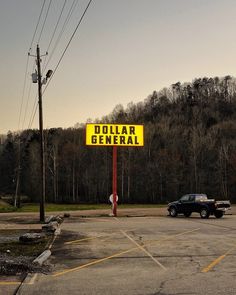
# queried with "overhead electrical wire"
point(68, 44)
point(35, 106)
point(46, 16)
point(71, 10)
point(37, 25)
point(27, 64)
point(33, 113)
point(27, 102)
point(63, 54)
point(23, 94)
point(21, 107)
point(67, 19)
point(55, 29)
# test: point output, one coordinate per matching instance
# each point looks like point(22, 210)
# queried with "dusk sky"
point(122, 52)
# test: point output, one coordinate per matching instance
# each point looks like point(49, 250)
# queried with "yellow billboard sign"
point(114, 135)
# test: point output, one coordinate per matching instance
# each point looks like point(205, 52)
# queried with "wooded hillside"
point(190, 147)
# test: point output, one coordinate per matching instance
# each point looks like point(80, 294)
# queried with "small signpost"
point(114, 135)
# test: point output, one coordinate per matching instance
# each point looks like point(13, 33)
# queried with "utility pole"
point(42, 154)
point(37, 78)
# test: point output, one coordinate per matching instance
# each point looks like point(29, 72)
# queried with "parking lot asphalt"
point(140, 255)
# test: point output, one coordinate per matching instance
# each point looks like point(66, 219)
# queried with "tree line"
point(190, 147)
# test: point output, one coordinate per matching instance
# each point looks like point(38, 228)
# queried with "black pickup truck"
point(198, 203)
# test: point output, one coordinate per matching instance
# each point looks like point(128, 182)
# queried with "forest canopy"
point(189, 147)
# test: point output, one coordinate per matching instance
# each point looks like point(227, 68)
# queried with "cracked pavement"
point(141, 256)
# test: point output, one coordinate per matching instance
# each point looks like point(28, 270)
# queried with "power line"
point(33, 113)
point(37, 25)
point(27, 64)
point(40, 35)
point(17, 198)
point(23, 94)
point(28, 98)
point(55, 29)
point(34, 110)
point(27, 105)
point(72, 36)
point(69, 14)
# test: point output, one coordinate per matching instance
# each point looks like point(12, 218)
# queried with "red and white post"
point(114, 180)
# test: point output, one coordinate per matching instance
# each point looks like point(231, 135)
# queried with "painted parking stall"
point(148, 255)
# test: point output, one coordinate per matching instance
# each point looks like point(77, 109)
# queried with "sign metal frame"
point(126, 135)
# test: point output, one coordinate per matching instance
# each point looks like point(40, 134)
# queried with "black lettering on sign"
point(115, 139)
point(117, 130)
point(122, 139)
point(130, 140)
point(94, 139)
point(108, 139)
point(132, 130)
point(124, 130)
point(111, 130)
point(104, 129)
point(96, 129)
point(101, 139)
point(136, 140)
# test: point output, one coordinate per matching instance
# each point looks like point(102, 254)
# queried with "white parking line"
point(144, 250)
point(98, 261)
point(32, 280)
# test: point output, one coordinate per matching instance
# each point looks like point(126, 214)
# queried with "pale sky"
point(122, 52)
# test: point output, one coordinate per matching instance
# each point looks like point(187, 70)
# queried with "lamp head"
point(49, 74)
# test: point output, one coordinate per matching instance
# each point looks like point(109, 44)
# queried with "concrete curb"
point(28, 280)
point(42, 257)
point(31, 277)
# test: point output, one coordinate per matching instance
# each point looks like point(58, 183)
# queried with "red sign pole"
point(114, 180)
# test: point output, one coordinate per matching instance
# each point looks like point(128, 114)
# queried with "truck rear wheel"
point(204, 213)
point(219, 214)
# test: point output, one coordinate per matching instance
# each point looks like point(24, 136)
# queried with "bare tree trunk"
point(122, 177)
point(17, 197)
point(195, 172)
point(57, 185)
point(54, 175)
point(128, 178)
point(77, 188)
point(161, 187)
point(224, 168)
point(73, 181)
point(128, 188)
